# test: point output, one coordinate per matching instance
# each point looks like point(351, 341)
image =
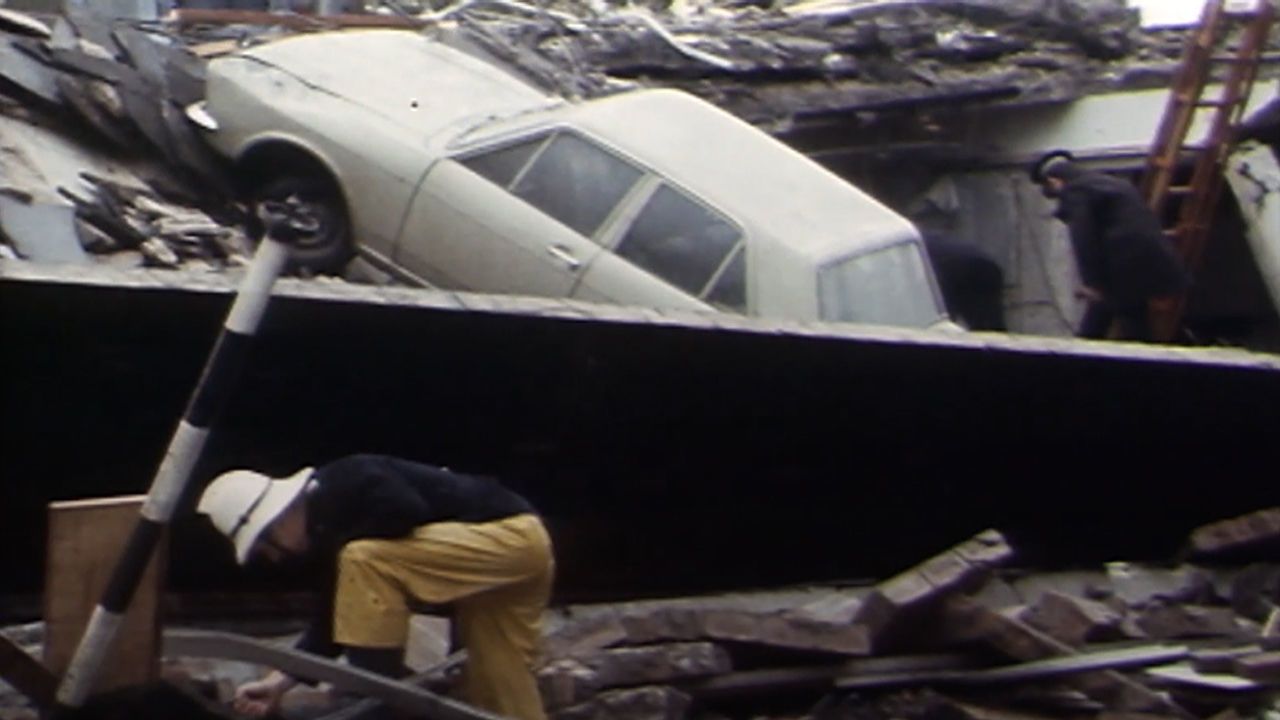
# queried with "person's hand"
point(260, 698)
point(1084, 292)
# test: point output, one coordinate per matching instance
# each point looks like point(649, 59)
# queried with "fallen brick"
point(780, 630)
point(657, 663)
point(645, 703)
point(1237, 533)
point(1262, 667)
point(1023, 642)
point(579, 636)
point(1072, 620)
point(1162, 621)
point(964, 567)
point(1138, 585)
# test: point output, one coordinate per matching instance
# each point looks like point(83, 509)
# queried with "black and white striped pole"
point(285, 221)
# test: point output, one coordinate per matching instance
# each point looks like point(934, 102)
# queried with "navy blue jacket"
point(378, 496)
point(1119, 245)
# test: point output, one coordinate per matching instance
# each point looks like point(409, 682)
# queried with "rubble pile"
point(80, 93)
point(99, 161)
point(961, 636)
point(954, 637)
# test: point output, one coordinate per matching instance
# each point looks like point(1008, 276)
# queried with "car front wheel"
point(326, 249)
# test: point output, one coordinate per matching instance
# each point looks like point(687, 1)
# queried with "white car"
point(444, 169)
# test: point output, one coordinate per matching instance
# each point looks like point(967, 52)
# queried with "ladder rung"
point(1181, 190)
point(1216, 103)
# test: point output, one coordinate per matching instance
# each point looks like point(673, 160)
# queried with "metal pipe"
point(284, 222)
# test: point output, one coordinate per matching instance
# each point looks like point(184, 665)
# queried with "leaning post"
point(284, 222)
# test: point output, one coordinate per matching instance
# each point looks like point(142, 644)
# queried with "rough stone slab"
point(1138, 585)
point(773, 628)
point(1263, 667)
point(1072, 620)
point(1023, 642)
point(582, 636)
point(646, 703)
point(1187, 621)
point(1236, 533)
point(657, 663)
point(566, 682)
point(789, 632)
point(960, 568)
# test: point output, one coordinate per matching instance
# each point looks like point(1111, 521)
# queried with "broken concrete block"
point(1162, 621)
point(1072, 620)
point(1262, 667)
point(657, 663)
point(1089, 584)
point(566, 682)
point(661, 624)
point(961, 568)
point(1237, 533)
point(1255, 591)
point(583, 636)
point(645, 703)
point(1138, 585)
point(779, 630)
point(1023, 642)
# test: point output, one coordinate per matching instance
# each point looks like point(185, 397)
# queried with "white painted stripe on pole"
point(255, 290)
point(171, 479)
point(77, 681)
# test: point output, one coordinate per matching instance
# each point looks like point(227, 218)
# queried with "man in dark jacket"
point(1124, 260)
point(388, 532)
point(971, 281)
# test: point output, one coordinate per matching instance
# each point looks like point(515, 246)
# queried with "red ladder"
point(1197, 200)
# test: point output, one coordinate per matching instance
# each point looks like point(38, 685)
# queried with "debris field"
point(965, 634)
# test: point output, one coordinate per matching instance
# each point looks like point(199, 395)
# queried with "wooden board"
point(85, 539)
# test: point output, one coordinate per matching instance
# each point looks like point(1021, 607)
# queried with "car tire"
point(326, 251)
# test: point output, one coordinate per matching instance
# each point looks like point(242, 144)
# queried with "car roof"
point(418, 82)
point(740, 167)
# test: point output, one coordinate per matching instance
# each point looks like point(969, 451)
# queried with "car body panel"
point(399, 143)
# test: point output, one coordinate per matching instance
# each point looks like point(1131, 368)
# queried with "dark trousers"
point(1133, 321)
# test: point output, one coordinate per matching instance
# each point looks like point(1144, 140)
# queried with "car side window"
point(689, 246)
point(565, 176)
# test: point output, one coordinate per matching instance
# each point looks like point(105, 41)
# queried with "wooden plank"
point(85, 539)
point(1083, 662)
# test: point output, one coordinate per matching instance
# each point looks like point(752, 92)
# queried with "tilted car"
point(444, 169)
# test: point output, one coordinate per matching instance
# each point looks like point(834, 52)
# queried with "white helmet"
point(242, 503)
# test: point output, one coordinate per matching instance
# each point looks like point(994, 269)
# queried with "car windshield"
point(888, 286)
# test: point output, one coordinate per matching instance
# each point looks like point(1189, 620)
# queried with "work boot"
point(384, 661)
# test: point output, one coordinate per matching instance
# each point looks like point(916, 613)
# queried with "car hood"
point(402, 75)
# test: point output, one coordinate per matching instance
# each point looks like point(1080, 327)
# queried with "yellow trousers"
point(498, 576)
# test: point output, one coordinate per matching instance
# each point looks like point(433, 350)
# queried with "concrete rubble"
point(964, 634)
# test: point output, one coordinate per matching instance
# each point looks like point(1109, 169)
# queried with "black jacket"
point(1119, 245)
point(376, 496)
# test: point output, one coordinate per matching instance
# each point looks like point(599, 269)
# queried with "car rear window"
point(887, 286)
point(688, 245)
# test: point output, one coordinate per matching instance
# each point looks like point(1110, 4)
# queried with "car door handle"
point(563, 255)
